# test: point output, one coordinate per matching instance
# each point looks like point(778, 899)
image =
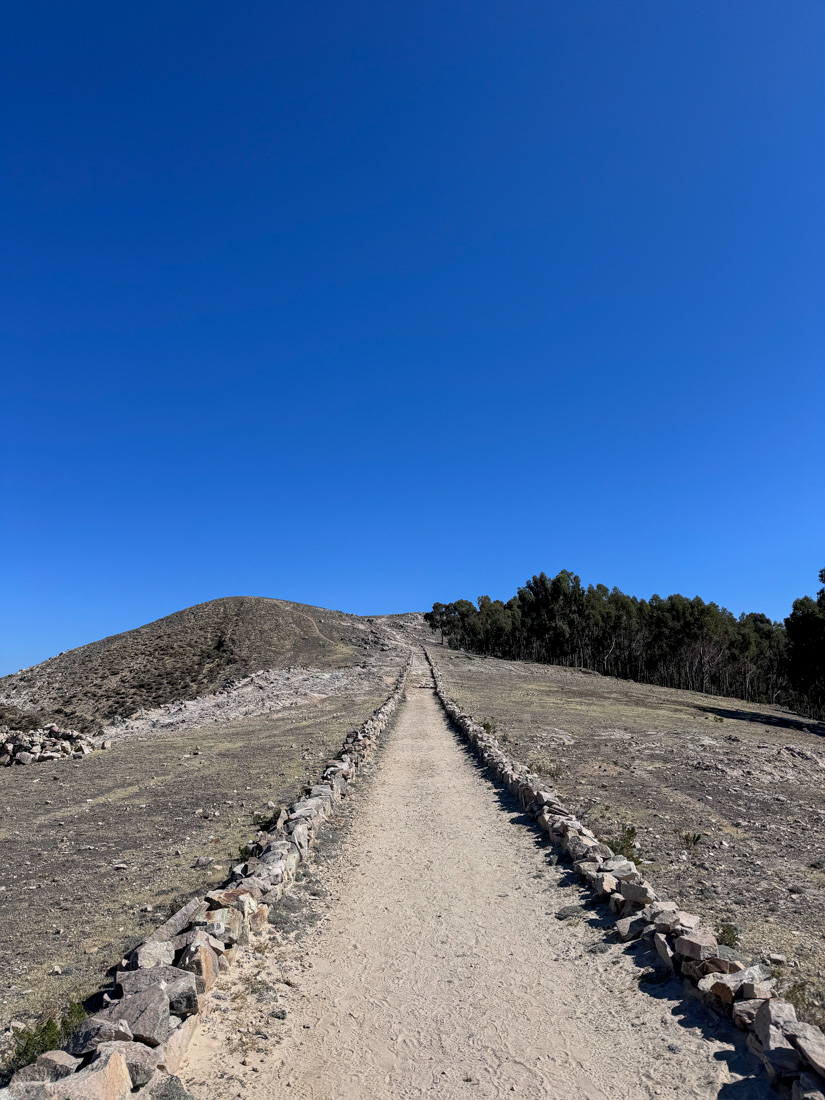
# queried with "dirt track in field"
point(433, 964)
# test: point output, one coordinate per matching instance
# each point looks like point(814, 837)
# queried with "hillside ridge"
point(180, 656)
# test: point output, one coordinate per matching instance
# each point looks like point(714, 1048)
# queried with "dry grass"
point(727, 799)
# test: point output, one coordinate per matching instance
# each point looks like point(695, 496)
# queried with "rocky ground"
point(210, 713)
point(264, 692)
point(191, 653)
point(721, 801)
point(93, 854)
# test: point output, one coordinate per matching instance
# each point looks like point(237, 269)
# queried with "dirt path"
point(438, 968)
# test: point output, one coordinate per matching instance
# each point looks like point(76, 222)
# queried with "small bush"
point(728, 934)
point(623, 843)
point(689, 840)
point(543, 766)
point(49, 1035)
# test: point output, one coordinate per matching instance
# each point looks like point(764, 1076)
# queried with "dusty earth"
point(263, 692)
point(727, 798)
point(161, 804)
point(423, 956)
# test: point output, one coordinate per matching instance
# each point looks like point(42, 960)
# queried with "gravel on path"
point(435, 965)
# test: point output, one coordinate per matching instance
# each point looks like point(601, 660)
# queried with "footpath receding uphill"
point(438, 968)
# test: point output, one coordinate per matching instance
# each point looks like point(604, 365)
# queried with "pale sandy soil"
point(436, 966)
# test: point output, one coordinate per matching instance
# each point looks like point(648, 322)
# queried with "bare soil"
point(726, 797)
point(63, 827)
point(426, 959)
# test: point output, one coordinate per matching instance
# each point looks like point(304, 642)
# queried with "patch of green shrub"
point(51, 1034)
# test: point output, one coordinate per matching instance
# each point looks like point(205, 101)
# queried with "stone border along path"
point(421, 958)
point(135, 1044)
point(792, 1052)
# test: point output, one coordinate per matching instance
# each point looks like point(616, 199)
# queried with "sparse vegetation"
point(808, 1004)
point(50, 1034)
point(689, 840)
point(622, 843)
point(727, 934)
point(543, 765)
point(189, 653)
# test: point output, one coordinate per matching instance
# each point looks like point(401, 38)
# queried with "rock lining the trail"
point(792, 1052)
point(134, 1044)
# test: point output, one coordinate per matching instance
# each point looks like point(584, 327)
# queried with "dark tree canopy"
point(672, 641)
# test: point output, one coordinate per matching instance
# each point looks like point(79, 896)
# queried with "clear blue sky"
point(367, 305)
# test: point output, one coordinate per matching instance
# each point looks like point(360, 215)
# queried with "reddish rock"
point(202, 961)
point(697, 945)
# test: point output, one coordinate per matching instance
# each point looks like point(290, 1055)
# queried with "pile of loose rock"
point(793, 1052)
point(38, 746)
point(135, 1043)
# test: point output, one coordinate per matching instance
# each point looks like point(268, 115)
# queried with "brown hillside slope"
point(181, 656)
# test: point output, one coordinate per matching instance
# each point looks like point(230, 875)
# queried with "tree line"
point(671, 641)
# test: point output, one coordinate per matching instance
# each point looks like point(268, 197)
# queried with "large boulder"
point(146, 1014)
point(178, 985)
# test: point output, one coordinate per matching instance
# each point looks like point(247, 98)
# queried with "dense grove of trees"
point(672, 641)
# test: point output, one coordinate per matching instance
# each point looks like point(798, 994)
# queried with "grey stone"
point(579, 846)
point(744, 1013)
point(809, 1086)
point(772, 1015)
point(178, 985)
point(195, 937)
point(202, 961)
point(180, 920)
point(146, 1013)
point(759, 991)
point(54, 1065)
point(809, 1041)
point(621, 868)
point(225, 925)
point(639, 893)
point(727, 986)
point(153, 953)
point(605, 883)
point(107, 1079)
point(300, 838)
point(165, 1086)
point(631, 928)
point(663, 948)
point(93, 1031)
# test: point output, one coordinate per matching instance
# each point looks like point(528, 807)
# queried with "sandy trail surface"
point(436, 965)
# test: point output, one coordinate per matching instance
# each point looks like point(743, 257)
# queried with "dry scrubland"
point(193, 652)
point(64, 827)
point(726, 797)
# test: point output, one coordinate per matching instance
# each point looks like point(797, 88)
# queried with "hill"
point(181, 656)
